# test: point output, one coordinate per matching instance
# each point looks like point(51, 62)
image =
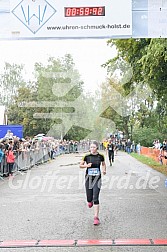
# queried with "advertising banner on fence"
point(66, 19)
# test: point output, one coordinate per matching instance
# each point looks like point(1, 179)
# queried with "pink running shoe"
point(96, 221)
point(90, 204)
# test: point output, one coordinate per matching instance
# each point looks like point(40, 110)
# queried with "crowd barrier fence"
point(26, 159)
point(155, 154)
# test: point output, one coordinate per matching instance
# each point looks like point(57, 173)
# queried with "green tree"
point(147, 59)
point(10, 81)
point(18, 114)
point(114, 107)
point(55, 84)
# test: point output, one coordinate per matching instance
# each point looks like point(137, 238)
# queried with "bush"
point(145, 136)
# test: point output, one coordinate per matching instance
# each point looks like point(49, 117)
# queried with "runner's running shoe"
point(90, 204)
point(96, 221)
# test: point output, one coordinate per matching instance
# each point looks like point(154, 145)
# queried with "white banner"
point(68, 19)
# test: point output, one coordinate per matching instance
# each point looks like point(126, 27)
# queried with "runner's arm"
point(83, 164)
point(107, 150)
point(104, 167)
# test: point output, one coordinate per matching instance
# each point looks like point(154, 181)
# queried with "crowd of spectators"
point(54, 145)
point(124, 144)
point(13, 146)
point(162, 147)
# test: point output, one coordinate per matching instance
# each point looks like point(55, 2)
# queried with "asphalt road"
point(48, 203)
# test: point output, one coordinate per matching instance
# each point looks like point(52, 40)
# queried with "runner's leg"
point(89, 189)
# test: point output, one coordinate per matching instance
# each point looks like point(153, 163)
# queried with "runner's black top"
point(110, 147)
point(94, 159)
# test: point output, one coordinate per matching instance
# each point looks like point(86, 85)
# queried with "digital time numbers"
point(84, 11)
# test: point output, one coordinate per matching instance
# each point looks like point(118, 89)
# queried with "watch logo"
point(34, 14)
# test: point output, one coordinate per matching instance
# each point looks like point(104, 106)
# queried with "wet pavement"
point(48, 202)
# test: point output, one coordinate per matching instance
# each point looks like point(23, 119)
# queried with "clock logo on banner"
point(34, 13)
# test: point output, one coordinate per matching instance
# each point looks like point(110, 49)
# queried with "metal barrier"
point(3, 167)
point(26, 159)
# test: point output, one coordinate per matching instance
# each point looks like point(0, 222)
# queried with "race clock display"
point(84, 11)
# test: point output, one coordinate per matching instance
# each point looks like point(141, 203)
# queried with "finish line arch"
point(50, 19)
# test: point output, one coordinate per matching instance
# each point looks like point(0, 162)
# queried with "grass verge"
point(150, 162)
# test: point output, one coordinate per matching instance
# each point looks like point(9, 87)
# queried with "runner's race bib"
point(93, 171)
point(110, 148)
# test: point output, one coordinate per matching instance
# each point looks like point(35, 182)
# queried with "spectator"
point(133, 146)
point(10, 158)
point(138, 148)
point(165, 151)
point(1, 154)
point(9, 134)
point(128, 146)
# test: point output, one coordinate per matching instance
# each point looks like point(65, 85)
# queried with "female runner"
point(92, 162)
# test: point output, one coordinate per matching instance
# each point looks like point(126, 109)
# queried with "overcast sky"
point(88, 55)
